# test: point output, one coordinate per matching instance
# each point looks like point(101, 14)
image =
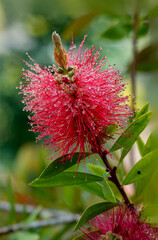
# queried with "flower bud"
point(57, 40)
point(71, 73)
point(60, 55)
point(60, 70)
point(70, 68)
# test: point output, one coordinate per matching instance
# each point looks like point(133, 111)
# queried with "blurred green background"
point(26, 26)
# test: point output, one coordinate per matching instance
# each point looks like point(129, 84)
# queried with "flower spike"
point(79, 106)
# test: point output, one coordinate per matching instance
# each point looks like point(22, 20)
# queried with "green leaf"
point(97, 169)
point(93, 187)
point(93, 211)
point(141, 146)
point(152, 142)
point(149, 145)
point(141, 184)
point(130, 135)
point(142, 111)
point(151, 210)
point(143, 167)
point(67, 178)
point(56, 167)
point(108, 193)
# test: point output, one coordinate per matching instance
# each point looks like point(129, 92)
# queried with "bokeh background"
point(27, 26)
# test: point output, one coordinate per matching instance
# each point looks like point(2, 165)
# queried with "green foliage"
point(142, 111)
point(108, 193)
point(94, 188)
point(145, 166)
point(98, 170)
point(59, 165)
point(66, 179)
point(152, 142)
point(141, 184)
point(130, 135)
point(141, 146)
point(93, 211)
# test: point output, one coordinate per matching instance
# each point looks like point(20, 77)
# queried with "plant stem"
point(114, 178)
point(133, 67)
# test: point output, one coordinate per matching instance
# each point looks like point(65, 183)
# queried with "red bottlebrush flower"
point(119, 224)
point(72, 107)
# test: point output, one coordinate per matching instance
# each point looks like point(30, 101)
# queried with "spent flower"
point(119, 224)
point(74, 106)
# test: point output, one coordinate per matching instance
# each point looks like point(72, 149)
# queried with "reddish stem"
point(114, 178)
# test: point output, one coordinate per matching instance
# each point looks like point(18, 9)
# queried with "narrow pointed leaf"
point(108, 193)
point(57, 166)
point(130, 135)
point(66, 179)
point(142, 168)
point(142, 111)
point(141, 146)
point(141, 184)
point(152, 142)
point(93, 211)
point(93, 187)
point(149, 146)
point(97, 169)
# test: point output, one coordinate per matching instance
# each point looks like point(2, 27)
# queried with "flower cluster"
point(73, 106)
point(119, 224)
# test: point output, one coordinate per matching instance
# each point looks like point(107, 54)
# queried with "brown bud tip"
point(57, 40)
point(59, 51)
